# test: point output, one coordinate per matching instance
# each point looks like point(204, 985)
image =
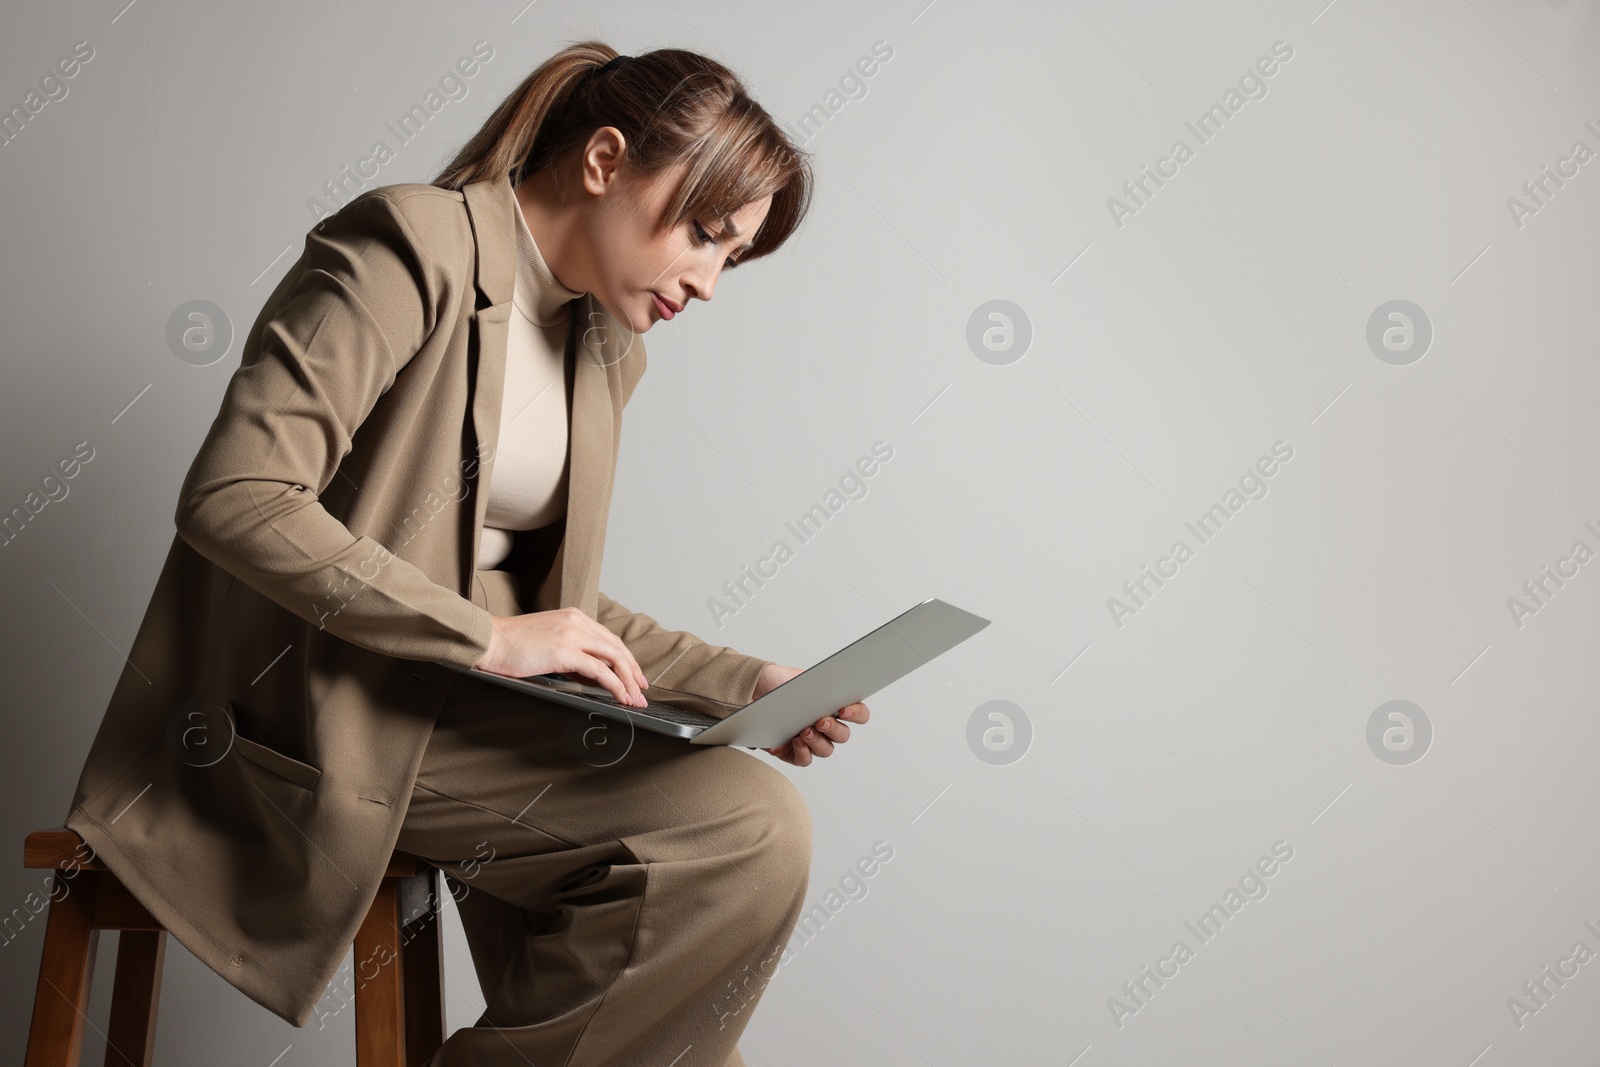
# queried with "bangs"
point(739, 161)
point(681, 113)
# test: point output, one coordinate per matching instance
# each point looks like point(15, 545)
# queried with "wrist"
point(491, 654)
point(770, 677)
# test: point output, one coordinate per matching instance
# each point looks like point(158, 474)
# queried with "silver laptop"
point(853, 673)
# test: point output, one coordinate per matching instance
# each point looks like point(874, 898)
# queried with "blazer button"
point(415, 678)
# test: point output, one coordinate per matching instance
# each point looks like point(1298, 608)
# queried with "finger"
point(630, 665)
point(617, 657)
point(833, 730)
point(601, 673)
point(629, 661)
point(802, 753)
point(856, 712)
point(816, 742)
point(627, 671)
point(608, 646)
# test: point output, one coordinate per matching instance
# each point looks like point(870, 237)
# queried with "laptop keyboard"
point(660, 711)
point(667, 711)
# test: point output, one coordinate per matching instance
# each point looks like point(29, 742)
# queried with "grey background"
point(1168, 754)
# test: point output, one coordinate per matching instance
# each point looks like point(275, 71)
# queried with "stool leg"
point(423, 973)
point(131, 1037)
point(55, 1037)
point(380, 1033)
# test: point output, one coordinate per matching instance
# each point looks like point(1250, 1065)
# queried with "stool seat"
point(399, 1011)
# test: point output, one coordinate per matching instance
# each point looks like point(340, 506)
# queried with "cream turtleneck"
point(528, 488)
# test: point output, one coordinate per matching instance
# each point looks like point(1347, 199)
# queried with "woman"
point(391, 489)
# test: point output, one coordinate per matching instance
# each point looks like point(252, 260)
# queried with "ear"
point(602, 159)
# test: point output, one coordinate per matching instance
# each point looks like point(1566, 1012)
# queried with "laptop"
point(853, 673)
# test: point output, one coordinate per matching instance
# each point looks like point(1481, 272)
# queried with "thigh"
point(511, 777)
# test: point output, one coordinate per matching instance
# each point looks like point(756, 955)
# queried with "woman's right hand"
point(564, 640)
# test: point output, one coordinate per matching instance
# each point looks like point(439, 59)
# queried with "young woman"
point(410, 471)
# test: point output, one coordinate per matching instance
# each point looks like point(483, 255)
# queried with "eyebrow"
point(731, 230)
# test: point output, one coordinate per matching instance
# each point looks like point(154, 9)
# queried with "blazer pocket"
point(270, 759)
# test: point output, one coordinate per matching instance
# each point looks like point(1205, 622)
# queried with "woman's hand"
point(817, 739)
point(564, 640)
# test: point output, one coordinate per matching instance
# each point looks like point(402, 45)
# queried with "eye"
point(700, 234)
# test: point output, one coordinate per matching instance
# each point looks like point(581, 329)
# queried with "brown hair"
point(673, 106)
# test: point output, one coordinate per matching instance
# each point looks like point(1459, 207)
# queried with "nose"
point(701, 283)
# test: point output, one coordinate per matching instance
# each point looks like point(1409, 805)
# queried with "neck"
point(553, 222)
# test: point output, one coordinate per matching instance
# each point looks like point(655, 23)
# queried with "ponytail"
point(673, 106)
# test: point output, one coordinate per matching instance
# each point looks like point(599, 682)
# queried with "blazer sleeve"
point(678, 662)
point(358, 307)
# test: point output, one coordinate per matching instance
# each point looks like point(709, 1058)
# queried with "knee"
point(777, 825)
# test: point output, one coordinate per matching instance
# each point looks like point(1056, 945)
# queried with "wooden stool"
point(399, 1012)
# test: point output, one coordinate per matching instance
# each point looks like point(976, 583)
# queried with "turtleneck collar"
point(538, 296)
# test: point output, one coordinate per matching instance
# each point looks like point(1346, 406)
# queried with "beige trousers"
point(626, 898)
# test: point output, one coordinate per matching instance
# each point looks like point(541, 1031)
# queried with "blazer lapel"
point(496, 276)
point(593, 457)
point(591, 349)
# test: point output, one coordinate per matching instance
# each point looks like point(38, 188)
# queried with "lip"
point(667, 308)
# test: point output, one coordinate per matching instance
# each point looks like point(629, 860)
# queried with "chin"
point(628, 321)
point(649, 319)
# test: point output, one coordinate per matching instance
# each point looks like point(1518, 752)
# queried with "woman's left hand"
point(817, 739)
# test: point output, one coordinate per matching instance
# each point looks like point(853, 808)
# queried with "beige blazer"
point(324, 570)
